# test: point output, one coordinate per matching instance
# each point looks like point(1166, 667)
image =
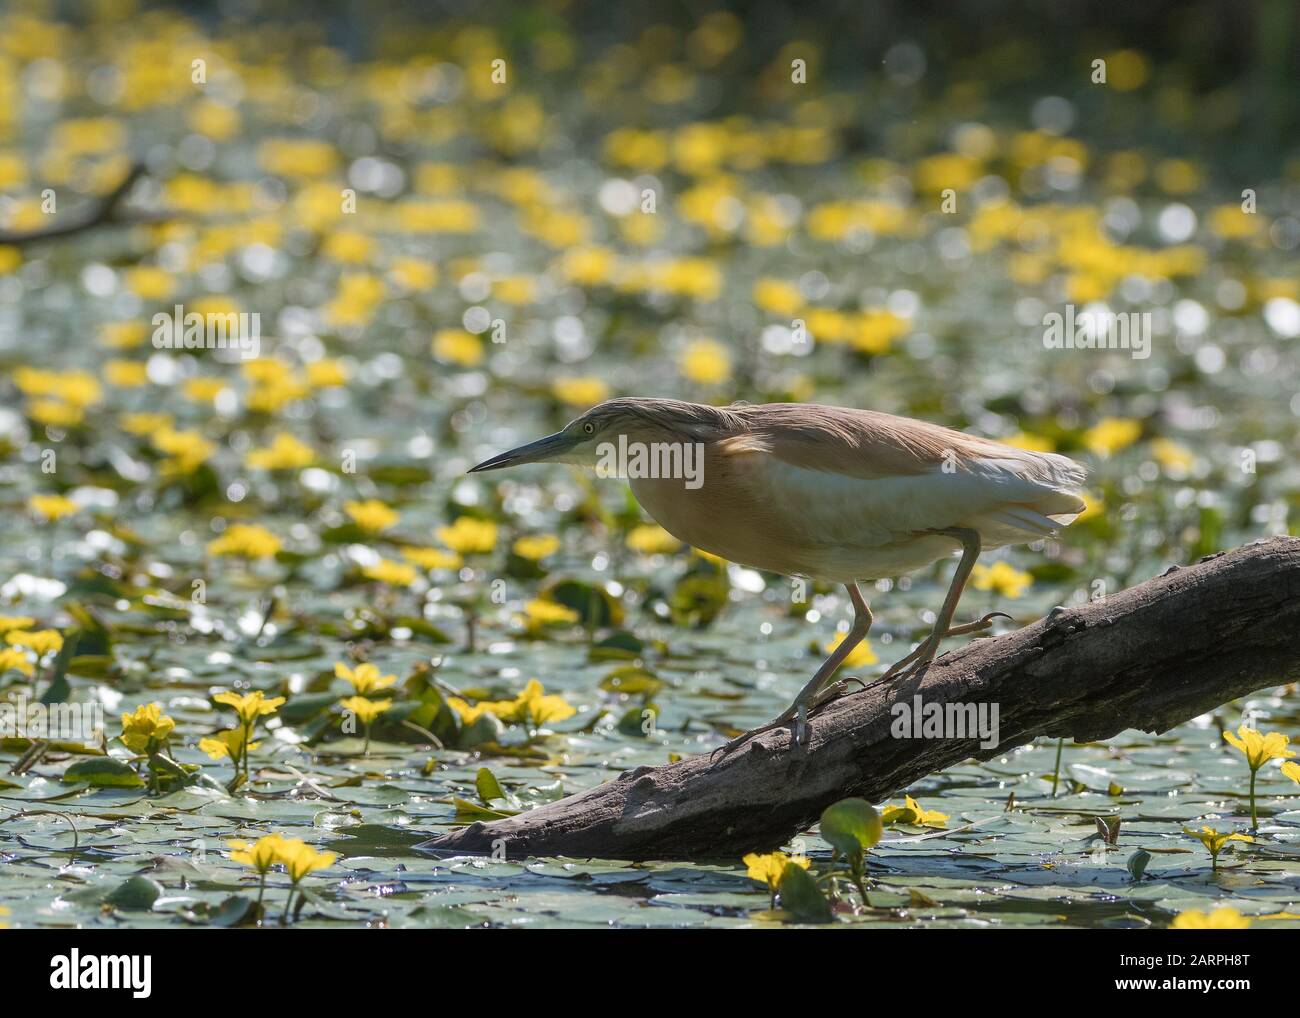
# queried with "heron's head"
point(638, 419)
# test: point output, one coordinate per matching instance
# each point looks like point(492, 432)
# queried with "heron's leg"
point(924, 654)
point(808, 696)
point(978, 626)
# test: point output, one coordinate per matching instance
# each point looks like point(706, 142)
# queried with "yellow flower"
point(1214, 841)
point(911, 812)
point(126, 374)
point(580, 392)
point(16, 660)
point(515, 290)
point(778, 297)
point(262, 371)
point(297, 158)
point(875, 330)
point(146, 729)
point(250, 706)
point(1034, 443)
point(55, 413)
point(51, 507)
point(284, 453)
point(1177, 176)
point(471, 712)
point(859, 656)
point(456, 346)
point(372, 515)
point(431, 558)
point(365, 710)
point(365, 677)
point(189, 450)
point(11, 622)
point(706, 362)
point(78, 388)
point(145, 423)
point(1001, 577)
point(1127, 69)
point(1220, 919)
point(397, 574)
point(41, 641)
point(415, 274)
point(536, 547)
point(203, 390)
point(767, 869)
point(261, 855)
point(271, 398)
point(1260, 749)
point(215, 120)
point(148, 282)
point(1111, 434)
point(227, 743)
point(652, 539)
point(532, 705)
point(540, 612)
point(345, 246)
point(358, 295)
point(301, 859)
point(590, 266)
point(1172, 456)
point(1292, 771)
point(469, 536)
point(246, 540)
point(326, 374)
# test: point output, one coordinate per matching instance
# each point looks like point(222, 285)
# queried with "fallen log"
point(1150, 657)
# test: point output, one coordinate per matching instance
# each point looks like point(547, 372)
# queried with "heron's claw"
point(796, 715)
point(979, 626)
point(929, 647)
point(837, 689)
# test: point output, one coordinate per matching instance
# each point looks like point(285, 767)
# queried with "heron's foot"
point(796, 716)
point(835, 690)
point(914, 661)
point(929, 648)
point(979, 625)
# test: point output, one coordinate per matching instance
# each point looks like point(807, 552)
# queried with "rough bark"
point(1150, 657)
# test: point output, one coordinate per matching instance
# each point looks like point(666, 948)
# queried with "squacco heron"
point(829, 493)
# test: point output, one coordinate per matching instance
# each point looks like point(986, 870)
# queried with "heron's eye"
point(589, 428)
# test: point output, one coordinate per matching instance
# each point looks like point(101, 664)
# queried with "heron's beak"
point(543, 449)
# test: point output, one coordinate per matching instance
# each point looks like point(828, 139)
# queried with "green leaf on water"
point(851, 826)
point(1137, 863)
point(801, 896)
point(618, 645)
point(631, 680)
point(593, 603)
point(635, 720)
point(135, 895)
point(488, 787)
point(103, 772)
point(468, 812)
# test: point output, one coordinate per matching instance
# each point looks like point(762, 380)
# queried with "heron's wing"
point(880, 477)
